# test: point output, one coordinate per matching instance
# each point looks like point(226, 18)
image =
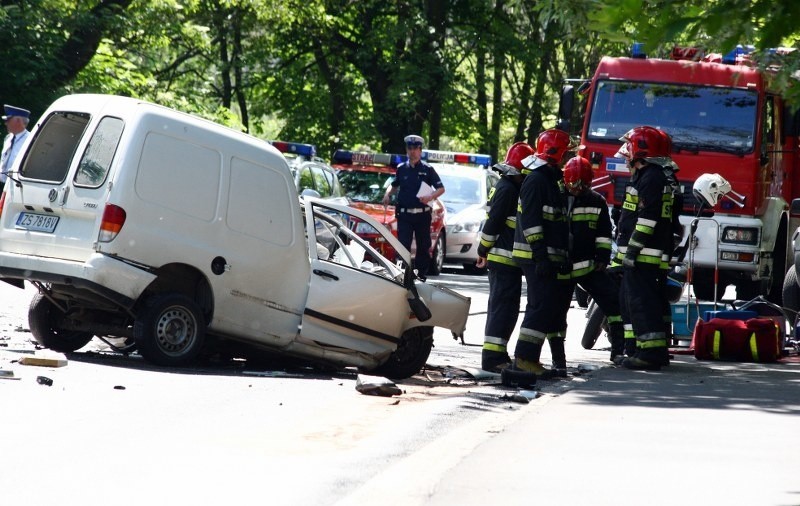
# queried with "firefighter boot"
point(494, 361)
point(646, 360)
point(617, 338)
point(559, 357)
point(534, 367)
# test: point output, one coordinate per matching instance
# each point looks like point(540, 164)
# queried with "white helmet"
point(709, 188)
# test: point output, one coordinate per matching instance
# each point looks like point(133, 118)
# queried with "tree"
point(45, 44)
point(710, 24)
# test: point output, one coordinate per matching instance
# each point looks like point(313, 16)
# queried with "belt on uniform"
point(415, 210)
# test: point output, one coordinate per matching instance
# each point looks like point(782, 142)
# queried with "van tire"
point(43, 318)
point(170, 330)
point(411, 354)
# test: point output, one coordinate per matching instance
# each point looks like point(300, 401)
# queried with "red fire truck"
point(724, 118)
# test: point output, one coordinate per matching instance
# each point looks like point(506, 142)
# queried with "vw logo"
point(52, 195)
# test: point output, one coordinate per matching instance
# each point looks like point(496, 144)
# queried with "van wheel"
point(411, 354)
point(437, 260)
point(170, 330)
point(44, 318)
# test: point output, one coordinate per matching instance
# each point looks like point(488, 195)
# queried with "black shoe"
point(513, 377)
point(559, 372)
point(638, 364)
point(617, 359)
point(494, 361)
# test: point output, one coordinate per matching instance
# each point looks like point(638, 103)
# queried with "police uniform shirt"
point(10, 152)
point(409, 179)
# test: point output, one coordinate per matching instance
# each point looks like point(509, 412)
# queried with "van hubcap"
point(175, 330)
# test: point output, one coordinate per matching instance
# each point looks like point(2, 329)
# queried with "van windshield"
point(697, 117)
point(54, 146)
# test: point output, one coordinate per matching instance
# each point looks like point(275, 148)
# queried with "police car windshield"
point(697, 117)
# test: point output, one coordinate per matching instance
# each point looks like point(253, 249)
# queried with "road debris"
point(45, 358)
point(376, 385)
point(44, 380)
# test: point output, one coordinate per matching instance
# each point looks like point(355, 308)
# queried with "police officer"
point(590, 247)
point(16, 120)
point(413, 202)
point(540, 248)
point(645, 242)
point(495, 252)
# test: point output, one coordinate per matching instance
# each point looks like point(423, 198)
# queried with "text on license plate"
point(38, 222)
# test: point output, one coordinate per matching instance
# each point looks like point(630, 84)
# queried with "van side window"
point(97, 158)
point(55, 144)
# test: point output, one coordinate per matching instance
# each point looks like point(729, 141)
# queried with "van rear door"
point(56, 202)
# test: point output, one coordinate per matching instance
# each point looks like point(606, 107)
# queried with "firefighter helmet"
point(516, 153)
point(552, 145)
point(645, 142)
point(578, 174)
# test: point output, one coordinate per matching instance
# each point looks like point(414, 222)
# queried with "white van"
point(134, 220)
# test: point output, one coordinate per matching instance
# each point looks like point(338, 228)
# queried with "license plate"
point(37, 222)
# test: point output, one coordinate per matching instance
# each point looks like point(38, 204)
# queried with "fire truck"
point(724, 118)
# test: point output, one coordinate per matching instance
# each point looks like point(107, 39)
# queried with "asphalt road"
point(111, 429)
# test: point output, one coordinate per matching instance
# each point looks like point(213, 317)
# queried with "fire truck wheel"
point(791, 291)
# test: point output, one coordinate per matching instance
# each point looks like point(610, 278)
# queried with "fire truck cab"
point(724, 119)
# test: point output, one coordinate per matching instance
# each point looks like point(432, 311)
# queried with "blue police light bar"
point(344, 156)
point(430, 155)
point(734, 56)
point(307, 150)
point(637, 50)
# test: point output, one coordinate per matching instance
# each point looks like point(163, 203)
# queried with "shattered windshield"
point(697, 117)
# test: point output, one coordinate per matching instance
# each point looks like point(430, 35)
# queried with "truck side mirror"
point(565, 107)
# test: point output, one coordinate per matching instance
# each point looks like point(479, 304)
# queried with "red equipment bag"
point(753, 340)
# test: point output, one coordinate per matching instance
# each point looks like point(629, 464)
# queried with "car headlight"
point(467, 226)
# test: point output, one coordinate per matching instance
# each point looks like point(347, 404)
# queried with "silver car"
point(467, 189)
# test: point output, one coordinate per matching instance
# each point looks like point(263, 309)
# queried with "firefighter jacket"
point(644, 232)
point(589, 232)
point(497, 237)
point(542, 232)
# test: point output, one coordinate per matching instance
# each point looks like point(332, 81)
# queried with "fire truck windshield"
point(697, 117)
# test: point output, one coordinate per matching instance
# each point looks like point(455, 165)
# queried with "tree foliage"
point(469, 75)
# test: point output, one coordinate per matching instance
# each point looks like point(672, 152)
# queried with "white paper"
point(425, 190)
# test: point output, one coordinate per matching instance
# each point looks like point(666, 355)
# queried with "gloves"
point(544, 269)
point(630, 257)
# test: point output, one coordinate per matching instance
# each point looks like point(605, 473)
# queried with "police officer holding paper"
point(417, 184)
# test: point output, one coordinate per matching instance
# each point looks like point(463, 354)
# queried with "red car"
point(364, 178)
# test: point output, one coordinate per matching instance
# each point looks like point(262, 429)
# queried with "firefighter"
point(590, 247)
point(540, 248)
point(494, 252)
point(645, 243)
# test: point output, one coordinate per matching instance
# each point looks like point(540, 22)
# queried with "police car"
point(364, 178)
point(467, 181)
point(310, 172)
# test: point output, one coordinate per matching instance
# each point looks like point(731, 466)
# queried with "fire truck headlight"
point(738, 235)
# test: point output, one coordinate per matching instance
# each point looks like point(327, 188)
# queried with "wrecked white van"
point(135, 220)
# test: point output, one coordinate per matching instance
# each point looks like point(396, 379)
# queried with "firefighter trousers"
point(502, 310)
point(646, 301)
point(545, 315)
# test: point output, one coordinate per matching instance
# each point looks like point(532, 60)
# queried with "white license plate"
point(37, 222)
